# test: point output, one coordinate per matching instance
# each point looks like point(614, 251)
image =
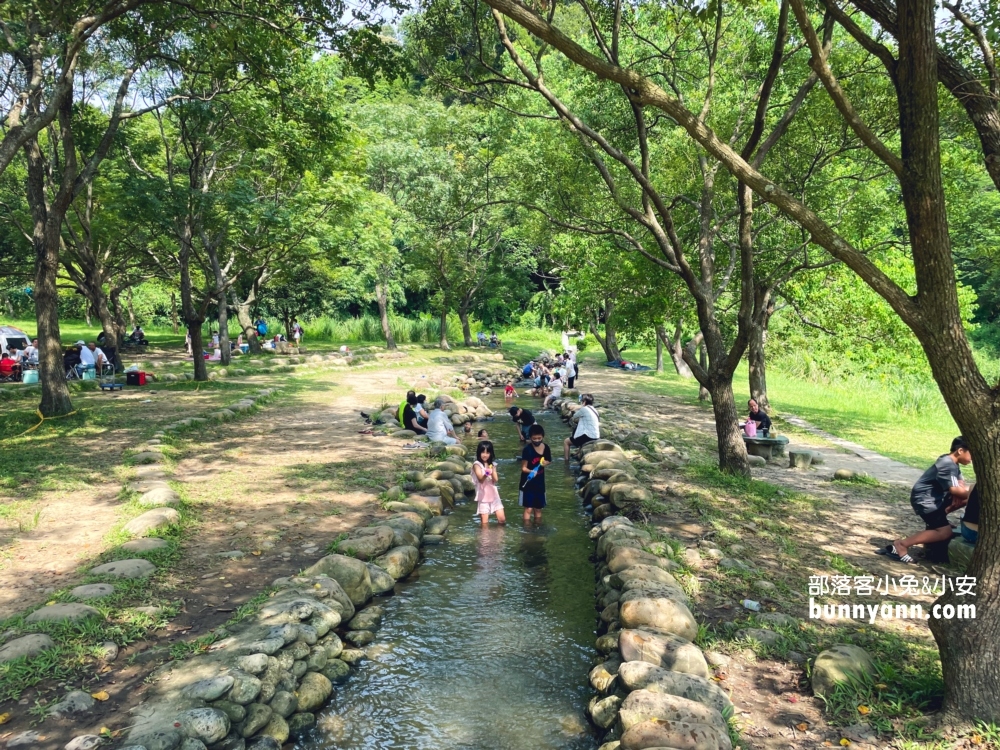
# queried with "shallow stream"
point(487, 645)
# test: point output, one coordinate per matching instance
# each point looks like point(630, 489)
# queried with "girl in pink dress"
point(484, 473)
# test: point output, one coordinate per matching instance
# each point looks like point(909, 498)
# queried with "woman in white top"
point(556, 385)
point(439, 429)
point(588, 425)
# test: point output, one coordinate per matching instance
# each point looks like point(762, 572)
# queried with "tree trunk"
point(130, 308)
point(246, 323)
point(383, 316)
point(609, 341)
point(463, 315)
point(193, 318)
point(758, 372)
point(173, 312)
point(111, 337)
point(227, 356)
point(676, 349)
point(444, 328)
point(703, 394)
point(86, 313)
point(732, 449)
point(659, 350)
point(197, 347)
point(7, 305)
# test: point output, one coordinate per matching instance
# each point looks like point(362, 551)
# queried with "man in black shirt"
point(523, 419)
point(759, 416)
point(940, 490)
point(410, 420)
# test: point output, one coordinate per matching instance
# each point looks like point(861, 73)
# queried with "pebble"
point(109, 651)
point(75, 702)
point(240, 525)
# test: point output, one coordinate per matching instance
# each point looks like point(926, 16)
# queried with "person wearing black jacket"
point(970, 521)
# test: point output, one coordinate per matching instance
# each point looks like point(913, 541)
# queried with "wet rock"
point(206, 724)
point(604, 676)
point(607, 643)
point(93, 591)
point(253, 664)
point(839, 664)
point(314, 691)
point(333, 645)
point(336, 671)
point(351, 574)
point(258, 716)
point(366, 543)
point(604, 712)
point(192, 744)
point(300, 724)
point(27, 645)
point(152, 520)
point(209, 689)
point(352, 656)
point(284, 703)
point(640, 675)
point(381, 581)
point(263, 743)
point(668, 651)
point(662, 615)
point(438, 525)
point(277, 729)
point(62, 613)
point(162, 740)
point(75, 702)
point(367, 619)
point(399, 562)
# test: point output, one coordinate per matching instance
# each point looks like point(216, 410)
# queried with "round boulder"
point(399, 562)
point(351, 574)
point(839, 664)
point(134, 568)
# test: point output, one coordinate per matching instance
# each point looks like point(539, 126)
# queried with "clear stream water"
point(487, 645)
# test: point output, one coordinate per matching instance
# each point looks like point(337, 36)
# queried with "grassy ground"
point(912, 426)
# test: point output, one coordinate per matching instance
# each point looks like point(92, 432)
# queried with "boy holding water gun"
point(534, 457)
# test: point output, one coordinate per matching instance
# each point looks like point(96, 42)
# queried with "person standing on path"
point(588, 425)
point(534, 457)
point(940, 490)
point(484, 471)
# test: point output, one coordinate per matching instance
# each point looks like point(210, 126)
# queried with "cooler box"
point(30, 376)
point(90, 374)
point(244, 348)
point(135, 378)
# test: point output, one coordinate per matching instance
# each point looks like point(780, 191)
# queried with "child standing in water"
point(508, 390)
point(484, 471)
point(534, 457)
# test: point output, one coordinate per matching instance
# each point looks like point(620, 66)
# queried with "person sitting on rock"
point(940, 490)
point(555, 386)
point(759, 416)
point(588, 425)
point(421, 410)
point(407, 414)
point(439, 427)
point(523, 419)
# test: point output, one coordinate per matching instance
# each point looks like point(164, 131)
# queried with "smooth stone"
point(351, 574)
point(839, 664)
point(367, 543)
point(661, 615)
point(621, 558)
point(668, 651)
point(431, 539)
point(62, 613)
point(366, 619)
point(206, 724)
point(604, 712)
point(643, 705)
point(284, 703)
point(234, 711)
point(381, 581)
point(193, 744)
point(681, 735)
point(254, 663)
point(359, 637)
point(258, 716)
point(26, 645)
point(24, 739)
point(147, 457)
point(757, 462)
point(779, 619)
point(313, 692)
point(134, 568)
point(83, 742)
point(93, 591)
point(152, 520)
point(209, 689)
point(399, 562)
point(640, 675)
point(438, 525)
point(336, 671)
point(764, 637)
point(149, 544)
point(765, 586)
point(263, 743)
point(75, 702)
point(233, 554)
point(162, 740)
point(730, 563)
point(159, 497)
point(277, 729)
point(300, 724)
point(333, 645)
point(352, 655)
point(844, 474)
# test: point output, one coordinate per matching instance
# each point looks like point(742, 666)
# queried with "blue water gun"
point(534, 472)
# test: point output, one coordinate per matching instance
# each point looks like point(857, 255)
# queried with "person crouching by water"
point(523, 419)
point(534, 457)
point(760, 418)
point(588, 425)
point(484, 471)
point(940, 490)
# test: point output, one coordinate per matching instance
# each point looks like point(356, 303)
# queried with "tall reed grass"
point(368, 329)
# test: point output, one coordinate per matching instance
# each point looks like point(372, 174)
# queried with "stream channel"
point(487, 645)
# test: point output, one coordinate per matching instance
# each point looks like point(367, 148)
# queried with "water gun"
point(533, 473)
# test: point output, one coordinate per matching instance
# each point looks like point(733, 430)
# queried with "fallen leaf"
point(845, 742)
point(792, 698)
point(864, 710)
point(4, 718)
point(976, 739)
point(802, 727)
point(881, 686)
point(100, 695)
point(827, 743)
point(256, 553)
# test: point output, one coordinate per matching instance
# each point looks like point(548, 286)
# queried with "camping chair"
point(481, 338)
